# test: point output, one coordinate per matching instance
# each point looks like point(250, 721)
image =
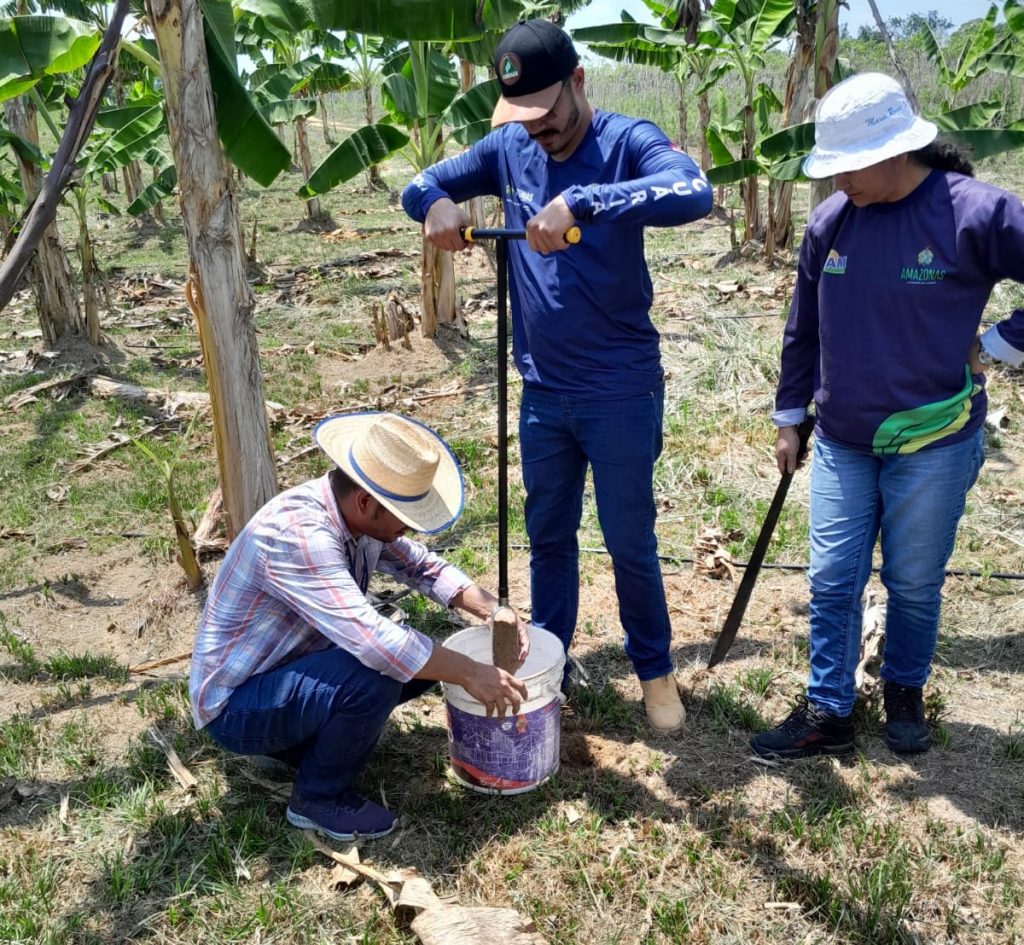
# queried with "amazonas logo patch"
point(510, 68)
point(924, 273)
point(835, 264)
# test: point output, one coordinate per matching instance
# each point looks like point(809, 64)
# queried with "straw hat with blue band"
point(401, 462)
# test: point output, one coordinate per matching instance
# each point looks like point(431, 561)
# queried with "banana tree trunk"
point(313, 211)
point(437, 289)
point(131, 172)
point(158, 207)
point(475, 207)
point(91, 277)
point(52, 282)
point(217, 290)
point(376, 181)
point(753, 225)
point(826, 49)
point(704, 109)
point(132, 180)
point(799, 85)
point(325, 119)
point(682, 111)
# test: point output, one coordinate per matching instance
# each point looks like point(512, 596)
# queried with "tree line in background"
point(175, 111)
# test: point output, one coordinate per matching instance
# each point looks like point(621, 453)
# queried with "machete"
point(742, 598)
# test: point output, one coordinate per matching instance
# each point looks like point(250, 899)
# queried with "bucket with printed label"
point(514, 754)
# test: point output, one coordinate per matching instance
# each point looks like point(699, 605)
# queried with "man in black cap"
point(593, 390)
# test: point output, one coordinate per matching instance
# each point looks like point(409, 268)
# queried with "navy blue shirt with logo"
point(580, 317)
point(888, 301)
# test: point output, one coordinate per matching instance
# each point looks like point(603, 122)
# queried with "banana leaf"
point(720, 152)
point(736, 171)
point(369, 145)
point(628, 33)
point(326, 77)
point(249, 142)
point(114, 119)
point(788, 169)
point(986, 142)
point(294, 16)
point(470, 113)
point(288, 110)
point(131, 141)
point(219, 28)
point(789, 142)
point(978, 116)
point(26, 150)
point(34, 46)
point(398, 92)
point(151, 195)
point(417, 20)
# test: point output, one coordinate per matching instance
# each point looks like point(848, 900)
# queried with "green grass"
point(61, 666)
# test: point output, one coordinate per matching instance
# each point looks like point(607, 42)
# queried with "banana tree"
point(981, 127)
point(290, 74)
point(826, 60)
point(420, 86)
point(133, 131)
point(33, 49)
point(983, 52)
point(197, 54)
point(365, 52)
point(741, 33)
point(664, 48)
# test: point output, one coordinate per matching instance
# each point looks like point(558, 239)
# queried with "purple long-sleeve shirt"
point(580, 318)
point(293, 582)
point(888, 301)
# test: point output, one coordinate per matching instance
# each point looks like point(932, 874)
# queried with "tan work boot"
point(665, 710)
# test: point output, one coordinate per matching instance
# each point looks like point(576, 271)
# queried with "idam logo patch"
point(835, 264)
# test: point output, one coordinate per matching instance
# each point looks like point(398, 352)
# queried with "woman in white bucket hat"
point(293, 662)
point(895, 271)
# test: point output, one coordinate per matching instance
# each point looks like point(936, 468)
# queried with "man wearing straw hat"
point(291, 659)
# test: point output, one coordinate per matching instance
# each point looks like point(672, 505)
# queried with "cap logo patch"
point(510, 68)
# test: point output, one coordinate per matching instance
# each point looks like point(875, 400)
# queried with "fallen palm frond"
point(434, 921)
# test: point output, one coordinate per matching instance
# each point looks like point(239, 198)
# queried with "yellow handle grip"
point(572, 235)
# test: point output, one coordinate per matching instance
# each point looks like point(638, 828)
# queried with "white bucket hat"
point(861, 121)
point(401, 462)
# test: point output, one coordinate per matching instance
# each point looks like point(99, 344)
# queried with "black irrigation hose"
point(676, 559)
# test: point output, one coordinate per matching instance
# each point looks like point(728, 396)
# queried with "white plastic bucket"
point(513, 754)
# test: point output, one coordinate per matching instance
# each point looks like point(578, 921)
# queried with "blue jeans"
point(620, 440)
point(322, 713)
point(915, 500)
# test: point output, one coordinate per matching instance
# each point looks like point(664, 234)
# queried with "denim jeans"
point(620, 440)
point(322, 713)
point(915, 501)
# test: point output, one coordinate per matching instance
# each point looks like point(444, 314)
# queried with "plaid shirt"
point(293, 582)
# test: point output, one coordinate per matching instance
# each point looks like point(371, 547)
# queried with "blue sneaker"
point(349, 817)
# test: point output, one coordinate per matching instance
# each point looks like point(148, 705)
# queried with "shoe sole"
point(304, 823)
point(796, 754)
point(911, 748)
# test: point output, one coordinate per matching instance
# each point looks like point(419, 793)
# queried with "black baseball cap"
point(532, 61)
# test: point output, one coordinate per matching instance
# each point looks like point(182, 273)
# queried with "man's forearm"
point(476, 601)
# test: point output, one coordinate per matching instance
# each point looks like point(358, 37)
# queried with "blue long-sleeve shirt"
point(887, 304)
point(580, 317)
